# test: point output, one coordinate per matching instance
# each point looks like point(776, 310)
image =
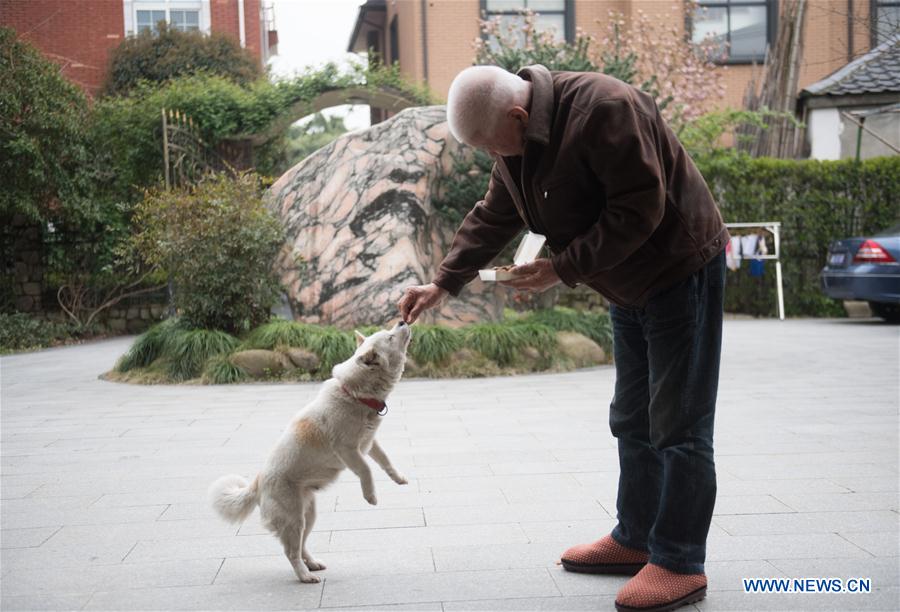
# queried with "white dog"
point(336, 430)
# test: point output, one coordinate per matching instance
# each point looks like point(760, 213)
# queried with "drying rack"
point(774, 228)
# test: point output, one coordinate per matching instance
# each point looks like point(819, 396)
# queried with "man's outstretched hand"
point(418, 299)
point(538, 275)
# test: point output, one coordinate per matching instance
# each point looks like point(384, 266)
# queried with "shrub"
point(218, 242)
point(279, 332)
point(19, 332)
point(151, 345)
point(434, 344)
point(169, 53)
point(503, 343)
point(43, 145)
point(332, 346)
point(189, 351)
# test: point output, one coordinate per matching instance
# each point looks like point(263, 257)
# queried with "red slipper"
point(656, 589)
point(605, 556)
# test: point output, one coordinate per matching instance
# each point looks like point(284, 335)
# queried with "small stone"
point(303, 359)
point(117, 325)
point(145, 313)
point(133, 313)
point(583, 351)
point(259, 362)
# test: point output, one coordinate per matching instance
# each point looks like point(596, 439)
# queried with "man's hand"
point(537, 276)
point(418, 299)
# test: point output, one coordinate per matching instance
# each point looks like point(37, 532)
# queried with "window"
point(186, 21)
point(740, 29)
point(886, 20)
point(149, 20)
point(395, 42)
point(182, 15)
point(555, 15)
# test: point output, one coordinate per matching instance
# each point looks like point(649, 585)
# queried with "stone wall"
point(28, 268)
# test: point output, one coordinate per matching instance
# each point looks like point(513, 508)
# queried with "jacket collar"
point(540, 114)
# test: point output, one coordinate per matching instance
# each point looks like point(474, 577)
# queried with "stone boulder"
point(259, 362)
point(361, 225)
point(583, 351)
point(303, 359)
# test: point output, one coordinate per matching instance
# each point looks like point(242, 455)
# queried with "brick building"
point(79, 34)
point(432, 39)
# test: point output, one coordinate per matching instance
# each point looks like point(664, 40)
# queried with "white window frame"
point(131, 7)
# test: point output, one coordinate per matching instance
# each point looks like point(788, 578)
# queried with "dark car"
point(866, 269)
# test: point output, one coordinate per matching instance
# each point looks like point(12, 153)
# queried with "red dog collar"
point(377, 405)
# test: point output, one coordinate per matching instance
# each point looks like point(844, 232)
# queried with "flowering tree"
point(651, 54)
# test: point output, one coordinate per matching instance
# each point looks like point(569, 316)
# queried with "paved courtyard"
point(103, 485)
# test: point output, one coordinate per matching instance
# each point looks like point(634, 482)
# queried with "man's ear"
point(519, 114)
point(359, 337)
point(369, 357)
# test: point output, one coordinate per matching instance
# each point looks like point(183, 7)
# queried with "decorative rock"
point(580, 349)
point(258, 362)
point(303, 359)
point(361, 225)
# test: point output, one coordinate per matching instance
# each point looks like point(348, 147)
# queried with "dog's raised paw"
point(400, 479)
point(371, 499)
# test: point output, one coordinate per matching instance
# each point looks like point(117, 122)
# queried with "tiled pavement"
point(103, 485)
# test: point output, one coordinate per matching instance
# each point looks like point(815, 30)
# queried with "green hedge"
point(816, 202)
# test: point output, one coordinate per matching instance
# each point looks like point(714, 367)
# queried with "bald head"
point(480, 100)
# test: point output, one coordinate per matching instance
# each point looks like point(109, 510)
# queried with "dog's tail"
point(233, 498)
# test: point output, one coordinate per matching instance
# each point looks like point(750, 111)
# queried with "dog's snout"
point(401, 324)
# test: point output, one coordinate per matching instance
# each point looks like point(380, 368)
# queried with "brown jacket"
point(622, 205)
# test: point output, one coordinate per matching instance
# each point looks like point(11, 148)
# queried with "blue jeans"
point(667, 374)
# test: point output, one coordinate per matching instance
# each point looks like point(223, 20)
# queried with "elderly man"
point(588, 162)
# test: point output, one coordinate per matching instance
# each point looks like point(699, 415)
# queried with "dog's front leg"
point(381, 459)
point(354, 460)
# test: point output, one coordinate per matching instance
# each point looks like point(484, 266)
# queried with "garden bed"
point(542, 341)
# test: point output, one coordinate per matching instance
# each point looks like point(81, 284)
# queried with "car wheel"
point(888, 312)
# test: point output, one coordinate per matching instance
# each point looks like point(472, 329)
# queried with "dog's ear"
point(359, 337)
point(369, 358)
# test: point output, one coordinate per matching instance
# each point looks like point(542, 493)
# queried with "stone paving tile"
point(339, 565)
point(26, 538)
point(44, 601)
point(880, 544)
point(786, 546)
point(123, 576)
point(809, 522)
point(498, 556)
point(883, 572)
point(542, 604)
point(514, 513)
point(369, 539)
point(448, 586)
point(287, 594)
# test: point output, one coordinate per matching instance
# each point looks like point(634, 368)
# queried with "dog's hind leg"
point(309, 513)
point(290, 536)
